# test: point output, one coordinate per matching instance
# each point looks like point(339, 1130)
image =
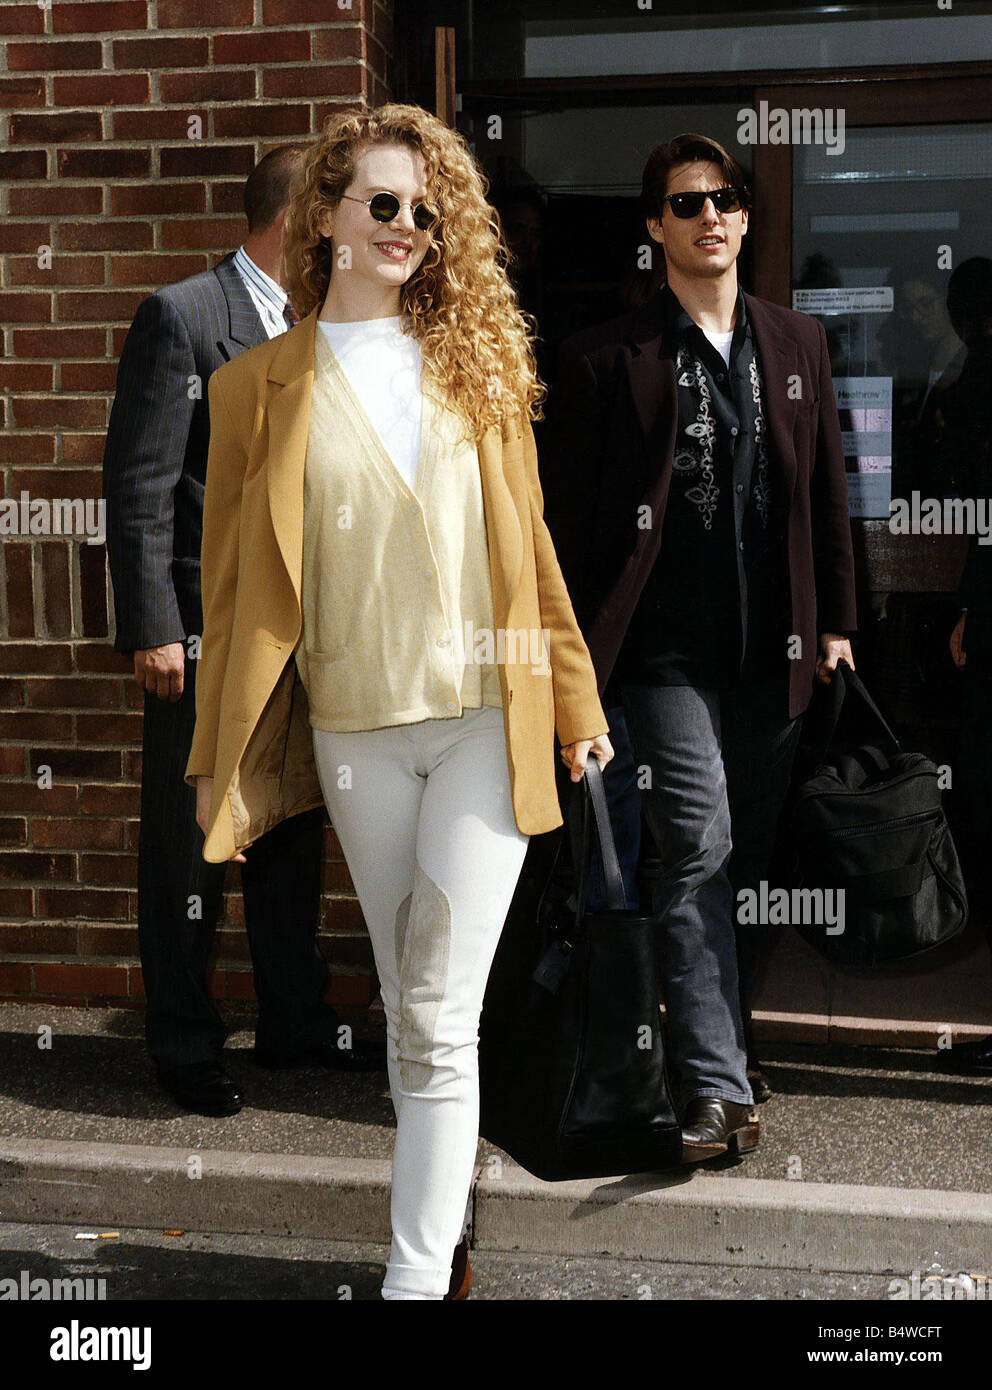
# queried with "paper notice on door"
point(864, 404)
point(844, 299)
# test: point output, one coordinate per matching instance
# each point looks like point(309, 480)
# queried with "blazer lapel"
point(244, 328)
point(779, 367)
point(290, 382)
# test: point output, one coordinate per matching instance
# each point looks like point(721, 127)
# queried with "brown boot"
point(713, 1126)
point(461, 1274)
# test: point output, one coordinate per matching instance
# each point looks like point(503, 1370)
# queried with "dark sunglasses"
point(385, 206)
point(691, 204)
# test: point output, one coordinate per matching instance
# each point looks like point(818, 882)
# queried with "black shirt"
point(714, 610)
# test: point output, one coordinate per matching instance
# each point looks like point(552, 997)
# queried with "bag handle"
point(588, 808)
point(847, 682)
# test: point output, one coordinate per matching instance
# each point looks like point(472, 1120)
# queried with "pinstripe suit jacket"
point(155, 457)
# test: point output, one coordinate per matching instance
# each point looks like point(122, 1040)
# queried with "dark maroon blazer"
point(607, 462)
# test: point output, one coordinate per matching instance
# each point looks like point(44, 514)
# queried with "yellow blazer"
point(252, 732)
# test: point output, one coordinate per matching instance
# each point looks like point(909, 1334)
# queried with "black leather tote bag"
point(572, 1062)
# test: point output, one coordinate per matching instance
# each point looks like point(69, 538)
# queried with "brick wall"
point(96, 163)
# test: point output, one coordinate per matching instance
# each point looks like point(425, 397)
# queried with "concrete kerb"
point(699, 1219)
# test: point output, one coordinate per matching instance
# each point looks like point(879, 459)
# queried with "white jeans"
point(425, 819)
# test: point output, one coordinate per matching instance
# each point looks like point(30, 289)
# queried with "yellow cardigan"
point(393, 577)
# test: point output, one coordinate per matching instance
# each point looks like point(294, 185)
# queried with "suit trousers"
point(179, 899)
point(720, 763)
point(424, 813)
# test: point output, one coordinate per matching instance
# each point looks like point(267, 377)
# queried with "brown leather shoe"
point(461, 1274)
point(761, 1087)
point(713, 1126)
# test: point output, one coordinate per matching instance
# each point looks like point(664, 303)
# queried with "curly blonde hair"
point(475, 341)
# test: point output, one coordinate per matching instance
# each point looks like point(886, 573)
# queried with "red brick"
point(98, 904)
point(196, 159)
point(68, 763)
point(73, 692)
point(13, 761)
point(25, 308)
point(106, 236)
point(101, 306)
point(36, 866)
point(16, 902)
point(110, 89)
point(91, 980)
point(88, 376)
point(38, 938)
point(341, 41)
point(58, 799)
point(156, 123)
point(47, 56)
point(13, 830)
point(307, 11)
point(33, 411)
point(63, 832)
point(105, 728)
point(55, 129)
point(93, 600)
point(83, 448)
point(188, 14)
point(66, 270)
point(23, 164)
point(108, 941)
point(110, 801)
point(20, 596)
point(211, 85)
point(21, 91)
point(171, 198)
point(56, 594)
point(33, 657)
point(15, 977)
point(342, 80)
point(94, 656)
point(153, 271)
point(103, 164)
point(22, 19)
point(349, 989)
point(26, 376)
point(291, 46)
point(286, 119)
point(12, 693)
point(208, 232)
point(100, 16)
point(55, 198)
point(26, 236)
point(35, 724)
point(26, 448)
point(109, 870)
point(57, 342)
point(155, 53)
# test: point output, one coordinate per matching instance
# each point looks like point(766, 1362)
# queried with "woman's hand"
point(833, 648)
point(204, 795)
point(574, 755)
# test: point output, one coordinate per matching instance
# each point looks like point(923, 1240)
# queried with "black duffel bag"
point(571, 1055)
point(869, 820)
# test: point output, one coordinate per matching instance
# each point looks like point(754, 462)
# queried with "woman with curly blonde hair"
point(373, 511)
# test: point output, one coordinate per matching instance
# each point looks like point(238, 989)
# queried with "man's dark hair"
point(268, 187)
point(685, 149)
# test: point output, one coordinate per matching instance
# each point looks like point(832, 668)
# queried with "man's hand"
point(574, 755)
point(204, 794)
point(958, 656)
point(159, 670)
point(832, 650)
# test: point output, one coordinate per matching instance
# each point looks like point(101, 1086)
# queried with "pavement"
point(871, 1163)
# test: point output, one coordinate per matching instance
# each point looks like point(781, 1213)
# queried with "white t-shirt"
point(721, 341)
point(382, 364)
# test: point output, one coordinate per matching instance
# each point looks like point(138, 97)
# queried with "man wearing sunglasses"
point(695, 491)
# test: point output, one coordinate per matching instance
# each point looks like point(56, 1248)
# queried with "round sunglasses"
point(385, 206)
point(687, 205)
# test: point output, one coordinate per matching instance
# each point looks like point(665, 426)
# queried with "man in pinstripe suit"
point(154, 471)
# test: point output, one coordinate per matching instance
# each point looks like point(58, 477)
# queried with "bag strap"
point(847, 682)
point(588, 809)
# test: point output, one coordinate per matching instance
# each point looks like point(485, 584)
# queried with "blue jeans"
point(694, 742)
